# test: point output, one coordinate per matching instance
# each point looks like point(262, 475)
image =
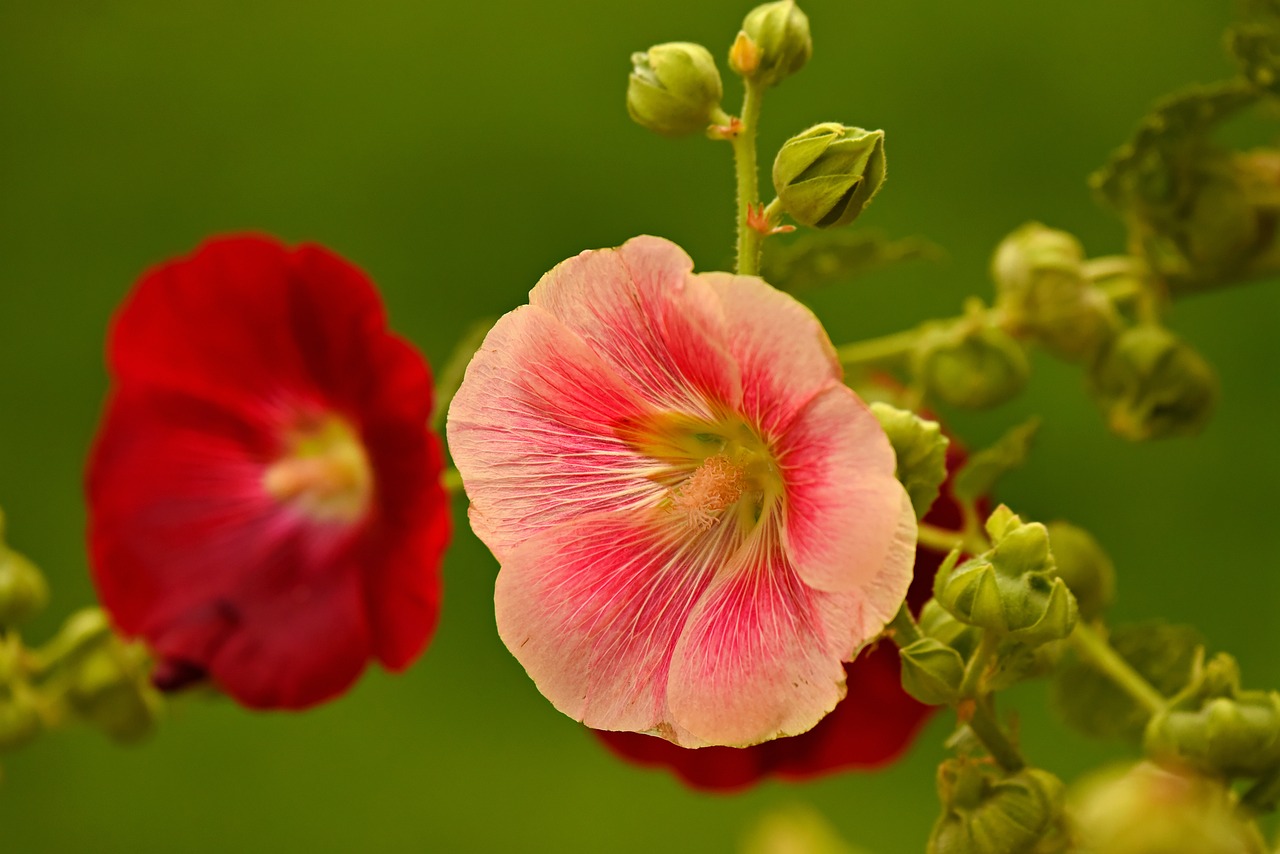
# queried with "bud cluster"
point(987, 811)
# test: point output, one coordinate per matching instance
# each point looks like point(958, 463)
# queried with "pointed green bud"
point(932, 672)
point(971, 365)
point(1013, 589)
point(1145, 809)
point(780, 33)
point(1084, 566)
point(1043, 293)
point(987, 812)
point(674, 89)
point(826, 175)
point(938, 623)
point(1151, 385)
point(19, 719)
point(23, 590)
point(921, 452)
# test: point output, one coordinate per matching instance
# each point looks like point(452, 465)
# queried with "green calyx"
point(986, 811)
point(921, 452)
point(780, 33)
point(1151, 385)
point(1013, 589)
point(1216, 728)
point(932, 671)
point(674, 89)
point(827, 175)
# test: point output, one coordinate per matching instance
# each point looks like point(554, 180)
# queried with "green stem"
point(748, 179)
point(1263, 796)
point(984, 725)
point(945, 539)
point(905, 630)
point(888, 348)
point(1093, 647)
point(977, 666)
point(451, 480)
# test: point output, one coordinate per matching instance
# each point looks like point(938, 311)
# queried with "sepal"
point(674, 89)
point(1152, 385)
point(827, 175)
point(779, 34)
point(921, 452)
point(986, 811)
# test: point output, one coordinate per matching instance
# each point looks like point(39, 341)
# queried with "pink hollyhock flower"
point(871, 727)
point(265, 506)
point(697, 521)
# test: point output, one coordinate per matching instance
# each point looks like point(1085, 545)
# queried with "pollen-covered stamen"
point(716, 484)
point(325, 473)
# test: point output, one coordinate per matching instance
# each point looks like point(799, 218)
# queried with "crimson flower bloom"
point(265, 505)
point(871, 727)
point(697, 521)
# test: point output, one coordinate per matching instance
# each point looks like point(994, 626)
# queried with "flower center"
point(324, 474)
point(715, 485)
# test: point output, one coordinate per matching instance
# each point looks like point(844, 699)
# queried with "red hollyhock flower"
point(872, 726)
point(265, 505)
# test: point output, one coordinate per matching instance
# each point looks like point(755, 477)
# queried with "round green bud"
point(1145, 809)
point(1043, 293)
point(920, 450)
point(971, 366)
point(23, 589)
point(1151, 385)
point(1084, 566)
point(780, 32)
point(1226, 736)
point(828, 174)
point(674, 89)
point(932, 671)
point(985, 812)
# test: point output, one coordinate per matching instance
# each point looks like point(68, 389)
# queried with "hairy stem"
point(748, 180)
point(987, 729)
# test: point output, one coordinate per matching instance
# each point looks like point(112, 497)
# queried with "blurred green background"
point(458, 150)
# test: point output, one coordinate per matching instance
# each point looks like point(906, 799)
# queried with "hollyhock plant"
point(697, 521)
point(871, 727)
point(264, 495)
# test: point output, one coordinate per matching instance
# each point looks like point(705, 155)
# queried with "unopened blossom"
point(265, 506)
point(697, 521)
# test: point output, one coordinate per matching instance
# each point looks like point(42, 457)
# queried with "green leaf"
point(1089, 702)
point(1155, 169)
point(817, 260)
point(986, 467)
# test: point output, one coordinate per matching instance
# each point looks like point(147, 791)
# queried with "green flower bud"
point(1084, 566)
point(780, 32)
point(1012, 590)
point(23, 590)
point(1231, 737)
point(937, 622)
point(826, 175)
point(19, 719)
point(1151, 385)
point(971, 366)
point(674, 89)
point(1043, 293)
point(109, 687)
point(985, 812)
point(1145, 809)
point(921, 452)
point(932, 671)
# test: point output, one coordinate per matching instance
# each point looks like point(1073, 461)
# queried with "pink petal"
point(762, 654)
point(535, 432)
point(660, 327)
point(847, 520)
point(594, 608)
point(780, 346)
